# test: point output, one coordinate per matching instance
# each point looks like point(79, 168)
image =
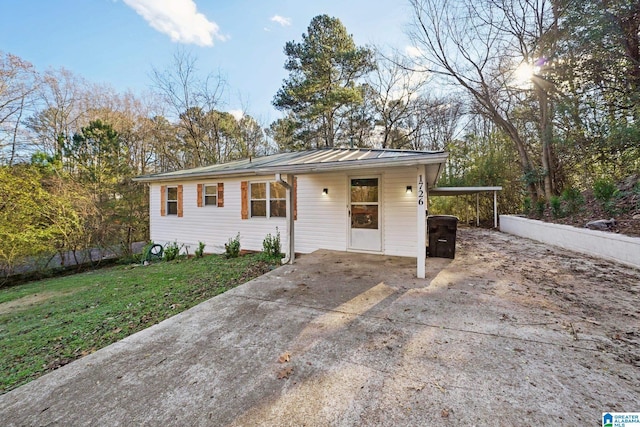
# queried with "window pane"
point(211, 190)
point(172, 193)
point(172, 208)
point(259, 208)
point(363, 216)
point(277, 191)
point(211, 200)
point(259, 190)
point(364, 190)
point(278, 208)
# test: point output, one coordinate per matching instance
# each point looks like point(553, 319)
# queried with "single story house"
point(356, 199)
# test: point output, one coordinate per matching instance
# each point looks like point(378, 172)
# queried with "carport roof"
point(310, 161)
point(460, 191)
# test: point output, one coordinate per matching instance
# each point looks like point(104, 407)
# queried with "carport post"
point(421, 214)
point(289, 208)
point(290, 205)
point(495, 209)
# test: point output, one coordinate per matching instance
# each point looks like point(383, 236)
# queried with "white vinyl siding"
point(322, 218)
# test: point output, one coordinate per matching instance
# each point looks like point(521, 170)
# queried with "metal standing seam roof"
point(309, 161)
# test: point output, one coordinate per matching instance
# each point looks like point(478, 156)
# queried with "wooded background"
point(539, 96)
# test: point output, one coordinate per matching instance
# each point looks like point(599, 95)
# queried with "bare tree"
point(17, 86)
point(190, 97)
point(477, 45)
point(61, 108)
point(397, 86)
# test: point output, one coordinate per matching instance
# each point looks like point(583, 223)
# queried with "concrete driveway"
point(342, 339)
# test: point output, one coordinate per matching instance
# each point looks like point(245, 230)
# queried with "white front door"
point(365, 211)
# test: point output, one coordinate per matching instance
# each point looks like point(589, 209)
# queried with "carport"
point(462, 191)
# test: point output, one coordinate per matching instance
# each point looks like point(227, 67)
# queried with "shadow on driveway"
point(350, 339)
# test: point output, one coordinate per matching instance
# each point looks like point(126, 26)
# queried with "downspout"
point(290, 254)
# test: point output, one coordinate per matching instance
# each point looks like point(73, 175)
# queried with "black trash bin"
point(442, 235)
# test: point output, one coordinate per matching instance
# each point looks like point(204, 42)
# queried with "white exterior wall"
point(400, 233)
point(322, 222)
point(322, 219)
point(210, 224)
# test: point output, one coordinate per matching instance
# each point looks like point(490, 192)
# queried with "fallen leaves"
point(284, 373)
point(284, 357)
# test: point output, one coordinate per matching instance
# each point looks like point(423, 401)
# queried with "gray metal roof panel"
point(304, 162)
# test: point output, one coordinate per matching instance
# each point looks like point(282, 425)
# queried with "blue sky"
point(117, 42)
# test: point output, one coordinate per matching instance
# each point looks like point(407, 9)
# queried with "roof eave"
point(301, 169)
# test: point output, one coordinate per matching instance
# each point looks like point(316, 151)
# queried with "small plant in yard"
point(573, 200)
point(200, 251)
point(556, 206)
point(232, 247)
point(605, 192)
point(540, 205)
point(526, 206)
point(171, 251)
point(271, 245)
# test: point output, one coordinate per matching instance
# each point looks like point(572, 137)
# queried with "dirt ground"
point(594, 300)
point(511, 332)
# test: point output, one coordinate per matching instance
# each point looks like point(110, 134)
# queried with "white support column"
point(290, 221)
point(421, 214)
point(495, 209)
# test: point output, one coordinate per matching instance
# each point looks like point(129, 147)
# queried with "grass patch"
point(49, 323)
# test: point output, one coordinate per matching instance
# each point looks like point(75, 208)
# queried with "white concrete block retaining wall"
point(611, 246)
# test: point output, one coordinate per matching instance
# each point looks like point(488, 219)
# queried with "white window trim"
point(172, 200)
point(267, 200)
point(204, 195)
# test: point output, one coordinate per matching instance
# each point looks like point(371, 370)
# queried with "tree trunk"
point(546, 136)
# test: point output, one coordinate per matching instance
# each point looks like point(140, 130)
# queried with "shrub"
point(200, 251)
point(171, 251)
point(605, 192)
point(526, 206)
point(556, 206)
point(573, 199)
point(232, 247)
point(271, 245)
point(540, 205)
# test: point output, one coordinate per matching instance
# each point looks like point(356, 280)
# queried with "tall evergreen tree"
point(324, 69)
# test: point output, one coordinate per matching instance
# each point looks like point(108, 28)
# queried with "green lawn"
point(49, 323)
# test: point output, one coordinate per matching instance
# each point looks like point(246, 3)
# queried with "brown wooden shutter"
point(180, 210)
point(295, 198)
point(244, 195)
point(200, 188)
point(220, 195)
point(163, 200)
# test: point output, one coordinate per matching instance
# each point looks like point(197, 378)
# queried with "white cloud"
point(285, 22)
point(238, 114)
point(179, 19)
point(413, 51)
